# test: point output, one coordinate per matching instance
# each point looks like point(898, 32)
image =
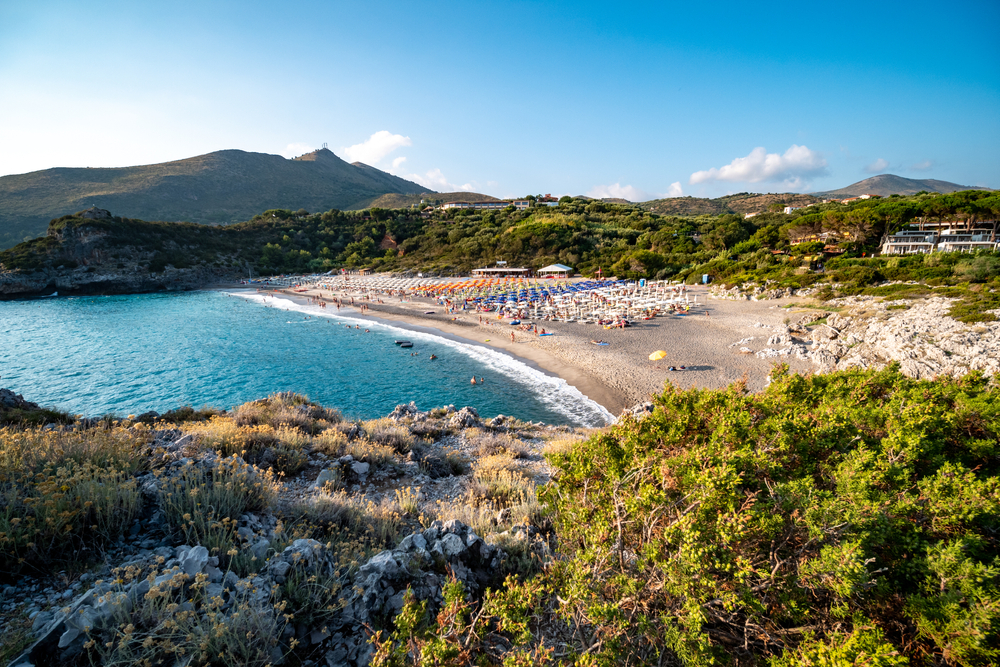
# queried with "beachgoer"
point(482, 380)
point(512, 336)
point(473, 379)
point(433, 356)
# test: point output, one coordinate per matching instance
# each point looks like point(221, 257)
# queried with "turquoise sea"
point(129, 354)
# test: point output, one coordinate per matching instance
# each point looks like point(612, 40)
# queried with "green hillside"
point(399, 200)
point(224, 187)
point(770, 248)
point(742, 203)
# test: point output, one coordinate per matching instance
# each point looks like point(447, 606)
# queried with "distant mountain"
point(889, 184)
point(217, 188)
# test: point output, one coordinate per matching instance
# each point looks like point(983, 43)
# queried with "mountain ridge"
point(220, 187)
point(890, 184)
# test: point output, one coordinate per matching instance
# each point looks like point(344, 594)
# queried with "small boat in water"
point(400, 342)
point(406, 344)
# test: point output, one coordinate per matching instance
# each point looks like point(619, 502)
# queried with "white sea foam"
point(552, 391)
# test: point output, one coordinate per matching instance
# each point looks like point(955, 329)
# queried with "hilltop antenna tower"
point(324, 144)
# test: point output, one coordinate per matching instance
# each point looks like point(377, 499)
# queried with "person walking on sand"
point(512, 336)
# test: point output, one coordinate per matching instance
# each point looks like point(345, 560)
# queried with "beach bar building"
point(501, 270)
point(556, 270)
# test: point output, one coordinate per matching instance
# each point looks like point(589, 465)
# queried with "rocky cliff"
point(97, 253)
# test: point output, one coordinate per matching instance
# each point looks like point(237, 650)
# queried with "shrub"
point(496, 480)
point(65, 490)
point(330, 442)
point(437, 463)
point(283, 448)
point(198, 501)
point(408, 501)
point(847, 505)
point(488, 443)
point(286, 409)
point(177, 617)
point(378, 456)
point(386, 432)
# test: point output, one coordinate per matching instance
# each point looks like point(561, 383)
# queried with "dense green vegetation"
point(833, 520)
point(618, 239)
point(848, 519)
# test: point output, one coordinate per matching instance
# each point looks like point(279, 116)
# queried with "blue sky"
point(639, 100)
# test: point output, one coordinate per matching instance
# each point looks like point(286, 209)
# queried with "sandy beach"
point(620, 374)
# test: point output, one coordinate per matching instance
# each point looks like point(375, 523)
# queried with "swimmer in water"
point(433, 356)
point(473, 379)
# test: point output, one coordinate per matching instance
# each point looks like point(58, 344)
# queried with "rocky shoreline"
point(97, 279)
point(76, 260)
point(866, 332)
point(445, 538)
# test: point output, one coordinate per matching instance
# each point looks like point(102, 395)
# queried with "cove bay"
point(94, 355)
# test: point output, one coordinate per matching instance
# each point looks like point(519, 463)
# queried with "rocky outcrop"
point(919, 335)
point(98, 279)
point(751, 292)
point(422, 563)
point(84, 258)
point(346, 599)
point(10, 400)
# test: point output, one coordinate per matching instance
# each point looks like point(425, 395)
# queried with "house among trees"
point(519, 204)
point(980, 235)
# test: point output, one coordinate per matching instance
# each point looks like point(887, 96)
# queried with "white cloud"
point(396, 162)
point(295, 150)
point(922, 166)
point(435, 180)
point(797, 163)
point(877, 167)
point(376, 147)
point(618, 191)
point(675, 190)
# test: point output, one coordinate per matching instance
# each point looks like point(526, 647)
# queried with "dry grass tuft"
point(560, 447)
point(198, 500)
point(64, 490)
point(386, 432)
point(282, 449)
point(286, 409)
point(330, 442)
point(497, 480)
point(408, 500)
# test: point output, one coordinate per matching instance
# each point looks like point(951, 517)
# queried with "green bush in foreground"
point(828, 520)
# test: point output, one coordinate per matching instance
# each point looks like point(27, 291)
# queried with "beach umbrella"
point(656, 356)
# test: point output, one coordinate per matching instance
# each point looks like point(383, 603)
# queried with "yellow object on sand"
point(656, 356)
